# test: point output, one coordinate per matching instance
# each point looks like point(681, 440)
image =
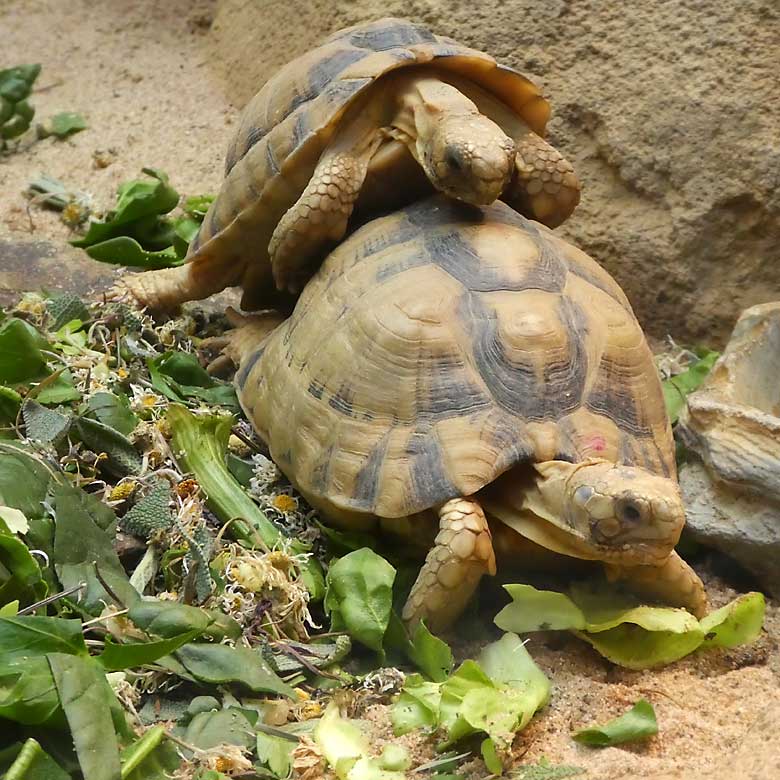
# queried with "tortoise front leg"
point(462, 553)
point(674, 582)
point(544, 186)
point(319, 217)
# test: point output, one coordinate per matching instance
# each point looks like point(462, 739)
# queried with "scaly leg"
point(674, 583)
point(544, 187)
point(319, 217)
point(462, 553)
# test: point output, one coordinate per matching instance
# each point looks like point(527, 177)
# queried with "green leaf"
point(359, 596)
point(123, 458)
point(218, 664)
point(16, 83)
point(25, 636)
point(169, 619)
point(44, 425)
point(116, 657)
point(538, 610)
point(738, 623)
point(24, 480)
point(21, 578)
point(139, 200)
point(33, 762)
point(124, 250)
point(65, 308)
point(638, 723)
point(678, 387)
point(10, 402)
point(113, 411)
point(637, 637)
point(28, 694)
point(86, 700)
point(275, 753)
point(66, 123)
point(135, 754)
point(209, 729)
point(427, 652)
point(21, 359)
point(57, 389)
point(79, 544)
point(490, 757)
point(498, 695)
point(199, 445)
point(417, 706)
point(179, 376)
point(197, 205)
point(185, 229)
point(152, 513)
point(346, 749)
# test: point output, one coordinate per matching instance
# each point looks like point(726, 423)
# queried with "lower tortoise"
point(373, 118)
point(464, 364)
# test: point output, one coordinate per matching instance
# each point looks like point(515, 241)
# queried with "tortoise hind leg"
point(462, 553)
point(167, 288)
point(674, 582)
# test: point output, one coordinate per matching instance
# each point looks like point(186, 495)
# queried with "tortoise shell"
point(440, 346)
point(286, 126)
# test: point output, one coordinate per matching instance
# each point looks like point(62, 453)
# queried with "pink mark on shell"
point(596, 443)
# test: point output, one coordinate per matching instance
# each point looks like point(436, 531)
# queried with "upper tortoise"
point(373, 118)
point(465, 363)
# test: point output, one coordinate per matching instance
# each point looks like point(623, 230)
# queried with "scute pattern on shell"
point(442, 345)
point(285, 127)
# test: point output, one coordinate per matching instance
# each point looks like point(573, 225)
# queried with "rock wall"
point(669, 109)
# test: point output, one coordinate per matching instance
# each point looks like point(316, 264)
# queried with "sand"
point(141, 74)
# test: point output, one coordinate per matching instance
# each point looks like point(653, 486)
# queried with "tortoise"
point(465, 363)
point(376, 116)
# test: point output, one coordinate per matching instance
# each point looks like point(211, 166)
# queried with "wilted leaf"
point(359, 596)
point(169, 619)
point(56, 389)
point(152, 513)
point(199, 444)
point(638, 723)
point(24, 480)
point(417, 707)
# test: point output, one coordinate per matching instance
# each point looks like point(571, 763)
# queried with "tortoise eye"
point(629, 511)
point(453, 159)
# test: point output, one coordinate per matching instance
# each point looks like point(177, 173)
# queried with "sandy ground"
point(140, 73)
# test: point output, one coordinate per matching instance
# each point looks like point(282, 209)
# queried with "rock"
point(35, 265)
point(668, 109)
point(743, 526)
point(732, 424)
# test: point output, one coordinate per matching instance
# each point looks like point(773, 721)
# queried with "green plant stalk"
point(133, 756)
point(199, 446)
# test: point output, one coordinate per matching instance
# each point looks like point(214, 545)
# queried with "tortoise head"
point(608, 511)
point(468, 157)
